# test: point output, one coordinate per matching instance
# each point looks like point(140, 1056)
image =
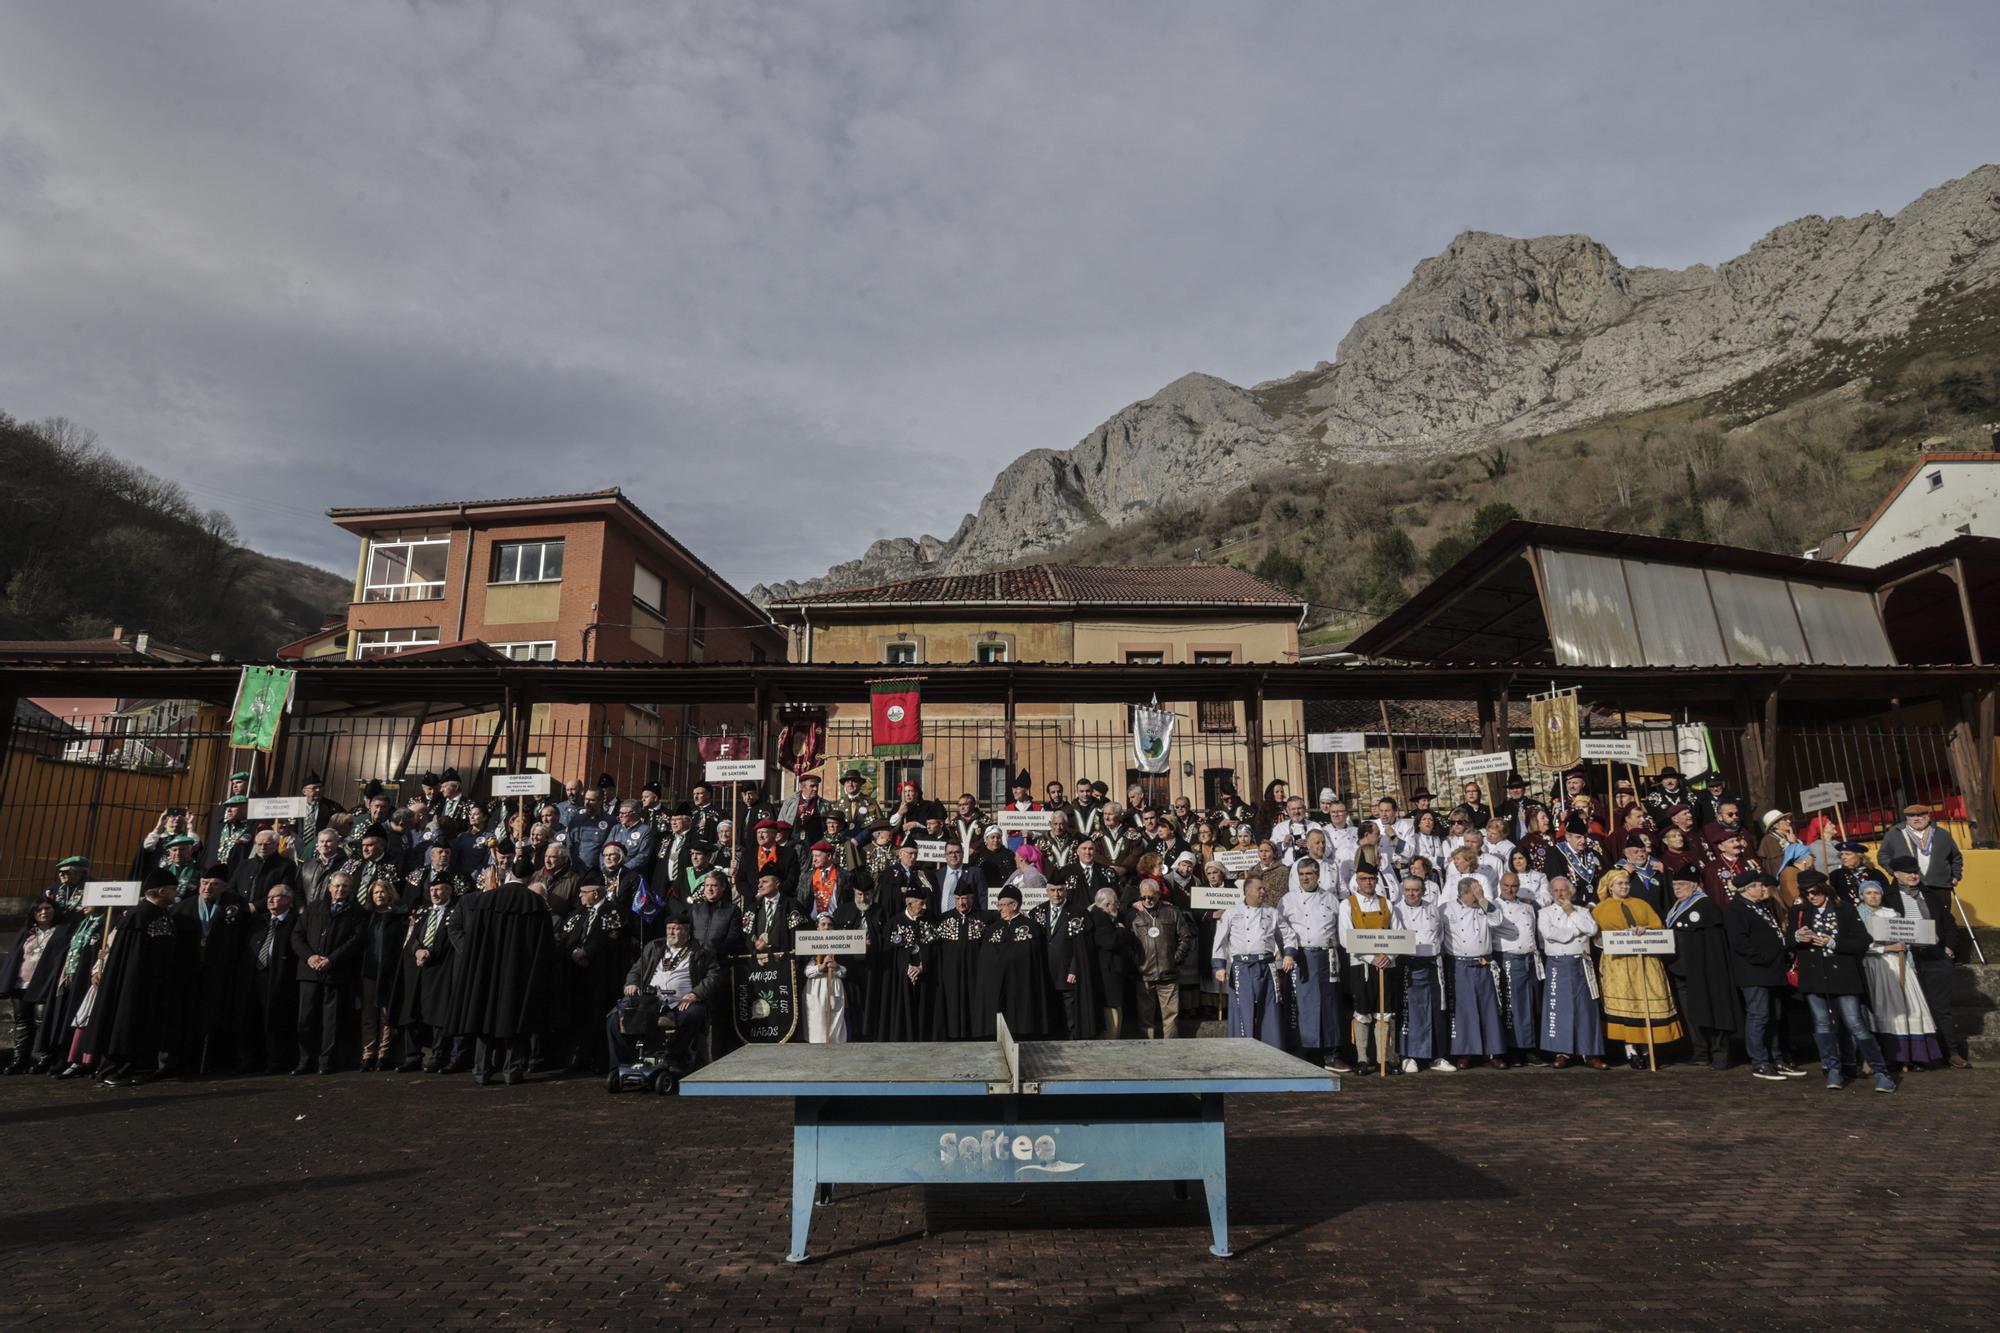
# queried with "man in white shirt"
point(1250, 944)
point(1572, 1021)
point(1469, 922)
point(1314, 916)
point(1423, 993)
point(1516, 939)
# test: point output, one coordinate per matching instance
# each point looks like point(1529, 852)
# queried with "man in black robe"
point(958, 939)
point(908, 983)
point(212, 927)
point(1699, 965)
point(270, 985)
point(1066, 944)
point(419, 1001)
point(327, 943)
point(1013, 977)
point(592, 964)
point(139, 988)
point(506, 976)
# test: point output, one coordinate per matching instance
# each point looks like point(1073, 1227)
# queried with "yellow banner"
point(1558, 738)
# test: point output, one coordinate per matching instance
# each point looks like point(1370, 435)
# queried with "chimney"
point(117, 633)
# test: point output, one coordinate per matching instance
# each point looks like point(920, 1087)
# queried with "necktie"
point(264, 946)
point(431, 927)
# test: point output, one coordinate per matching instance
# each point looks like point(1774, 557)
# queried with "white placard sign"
point(1902, 929)
point(831, 941)
point(276, 807)
point(931, 851)
point(111, 893)
point(1382, 941)
point(520, 784)
point(1476, 765)
point(1822, 797)
point(1213, 898)
point(1619, 943)
point(1033, 895)
point(734, 770)
point(1622, 749)
point(1336, 742)
point(1023, 821)
point(1237, 863)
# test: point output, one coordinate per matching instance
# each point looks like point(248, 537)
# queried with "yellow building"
point(1190, 614)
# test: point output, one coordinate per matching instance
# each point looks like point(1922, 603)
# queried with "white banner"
point(1822, 797)
point(1237, 863)
point(1033, 895)
point(1619, 943)
point(1691, 747)
point(1382, 941)
point(1214, 898)
point(1336, 742)
point(1475, 765)
point(830, 941)
point(520, 784)
point(1902, 929)
point(275, 807)
point(734, 770)
point(111, 893)
point(1152, 736)
point(1023, 821)
point(1622, 749)
point(931, 851)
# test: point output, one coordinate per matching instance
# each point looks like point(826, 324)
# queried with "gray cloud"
point(303, 255)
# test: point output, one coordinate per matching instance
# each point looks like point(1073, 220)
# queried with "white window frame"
point(990, 654)
point(534, 650)
point(655, 608)
point(409, 589)
point(893, 654)
point(389, 642)
point(540, 548)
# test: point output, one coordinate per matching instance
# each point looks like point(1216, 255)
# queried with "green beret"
point(179, 840)
point(81, 862)
point(237, 800)
point(244, 776)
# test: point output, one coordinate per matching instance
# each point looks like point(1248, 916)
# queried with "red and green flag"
point(897, 714)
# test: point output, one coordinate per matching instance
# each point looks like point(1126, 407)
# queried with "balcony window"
point(389, 642)
point(1214, 714)
point(406, 567)
point(528, 562)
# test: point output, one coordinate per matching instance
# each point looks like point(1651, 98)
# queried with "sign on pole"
point(1023, 821)
point(1902, 929)
point(276, 807)
point(931, 851)
point(1477, 765)
point(1336, 742)
point(1382, 941)
point(1619, 943)
point(1825, 795)
point(1214, 898)
point(1237, 863)
point(520, 784)
point(1033, 895)
point(111, 893)
point(734, 770)
point(1621, 749)
point(831, 941)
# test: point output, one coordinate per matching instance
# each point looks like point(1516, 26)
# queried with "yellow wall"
point(523, 603)
point(1980, 889)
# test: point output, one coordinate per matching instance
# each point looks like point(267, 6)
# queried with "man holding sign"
point(1914, 896)
point(1367, 974)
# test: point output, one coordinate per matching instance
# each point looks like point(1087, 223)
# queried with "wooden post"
point(1389, 741)
point(1253, 741)
point(1382, 1018)
point(1013, 763)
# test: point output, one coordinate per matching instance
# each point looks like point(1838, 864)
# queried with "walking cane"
point(1966, 921)
point(1652, 1064)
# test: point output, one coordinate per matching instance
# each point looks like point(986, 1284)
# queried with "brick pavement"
point(1525, 1199)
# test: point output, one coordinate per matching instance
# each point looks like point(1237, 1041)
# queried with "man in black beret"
point(139, 988)
point(1911, 896)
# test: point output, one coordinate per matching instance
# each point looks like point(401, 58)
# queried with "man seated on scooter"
point(685, 979)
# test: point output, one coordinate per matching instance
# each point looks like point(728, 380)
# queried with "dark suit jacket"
point(968, 875)
point(320, 930)
point(704, 975)
point(1947, 862)
point(251, 879)
point(1937, 906)
point(275, 986)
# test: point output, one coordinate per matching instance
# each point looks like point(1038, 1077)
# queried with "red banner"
point(711, 748)
point(897, 714)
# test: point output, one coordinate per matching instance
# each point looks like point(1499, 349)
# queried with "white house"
point(1943, 495)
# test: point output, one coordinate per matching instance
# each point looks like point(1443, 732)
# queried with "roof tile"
point(1094, 585)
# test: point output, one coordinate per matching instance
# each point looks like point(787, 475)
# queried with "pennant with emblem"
point(895, 709)
point(1152, 737)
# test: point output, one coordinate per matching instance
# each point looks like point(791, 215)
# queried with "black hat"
point(917, 891)
point(1009, 891)
point(160, 879)
point(451, 775)
point(1685, 874)
point(1903, 864)
point(1423, 794)
point(1516, 780)
point(1812, 879)
point(1749, 877)
point(605, 781)
point(373, 789)
point(1021, 779)
point(652, 787)
point(429, 779)
point(1100, 789)
point(213, 871)
point(683, 808)
point(1637, 839)
point(313, 780)
point(1858, 848)
point(1576, 824)
point(852, 775)
point(1670, 772)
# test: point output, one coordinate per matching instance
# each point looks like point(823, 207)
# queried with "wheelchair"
point(650, 1070)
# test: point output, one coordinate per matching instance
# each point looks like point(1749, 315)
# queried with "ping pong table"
point(1029, 1113)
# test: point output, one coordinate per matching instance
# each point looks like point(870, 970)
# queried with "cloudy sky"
point(801, 276)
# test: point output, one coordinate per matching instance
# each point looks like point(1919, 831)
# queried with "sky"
point(801, 276)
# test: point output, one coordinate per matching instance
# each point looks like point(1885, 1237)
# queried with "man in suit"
point(769, 854)
point(675, 845)
point(904, 874)
point(824, 884)
point(772, 917)
point(955, 877)
point(805, 811)
point(591, 961)
point(251, 877)
point(687, 981)
point(271, 983)
point(1087, 875)
point(327, 856)
point(1066, 935)
point(1913, 895)
point(327, 942)
point(1940, 864)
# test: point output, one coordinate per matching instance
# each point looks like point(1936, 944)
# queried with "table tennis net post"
point(1010, 1056)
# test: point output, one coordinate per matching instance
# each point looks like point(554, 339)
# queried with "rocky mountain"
point(1496, 338)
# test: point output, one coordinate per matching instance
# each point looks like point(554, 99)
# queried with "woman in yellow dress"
point(1635, 985)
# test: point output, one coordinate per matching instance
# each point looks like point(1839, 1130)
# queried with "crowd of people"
point(442, 933)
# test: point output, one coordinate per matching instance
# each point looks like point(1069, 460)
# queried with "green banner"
point(260, 702)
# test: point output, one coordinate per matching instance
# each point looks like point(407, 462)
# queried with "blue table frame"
point(942, 1113)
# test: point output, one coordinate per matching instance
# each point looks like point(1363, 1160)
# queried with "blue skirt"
point(1253, 1003)
point(1520, 1000)
point(1320, 1019)
point(1475, 1009)
point(1423, 1007)
point(1572, 1024)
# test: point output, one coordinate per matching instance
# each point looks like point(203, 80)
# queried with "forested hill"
point(91, 542)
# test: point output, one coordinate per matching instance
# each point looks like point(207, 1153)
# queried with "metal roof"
point(1063, 586)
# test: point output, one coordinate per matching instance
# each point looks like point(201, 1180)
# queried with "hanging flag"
point(1152, 734)
point(1558, 737)
point(644, 905)
point(725, 746)
point(1694, 749)
point(896, 713)
point(260, 702)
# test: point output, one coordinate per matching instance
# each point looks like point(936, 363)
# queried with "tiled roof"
point(353, 510)
point(1069, 585)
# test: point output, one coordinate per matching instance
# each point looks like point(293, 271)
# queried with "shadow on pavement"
point(108, 1220)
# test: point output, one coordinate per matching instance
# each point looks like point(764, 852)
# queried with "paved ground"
point(1536, 1199)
